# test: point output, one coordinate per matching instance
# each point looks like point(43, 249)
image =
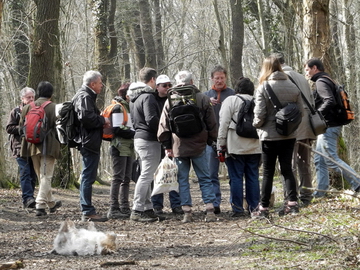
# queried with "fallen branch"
point(12, 265)
point(274, 238)
point(309, 232)
point(106, 264)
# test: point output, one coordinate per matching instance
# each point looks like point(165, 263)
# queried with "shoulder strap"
point(273, 98)
point(45, 104)
point(232, 119)
point(327, 77)
point(311, 108)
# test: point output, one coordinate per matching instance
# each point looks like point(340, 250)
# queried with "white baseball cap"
point(162, 79)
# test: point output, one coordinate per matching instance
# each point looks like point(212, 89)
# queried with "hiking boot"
point(187, 218)
point(210, 217)
point(289, 207)
point(57, 205)
point(158, 211)
point(125, 211)
point(115, 213)
point(30, 203)
point(94, 218)
point(177, 211)
point(150, 213)
point(141, 217)
point(217, 210)
point(260, 212)
point(41, 213)
point(238, 215)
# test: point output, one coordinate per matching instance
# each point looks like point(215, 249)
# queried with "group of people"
point(150, 135)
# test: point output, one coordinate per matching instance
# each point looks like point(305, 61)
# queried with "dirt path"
point(161, 245)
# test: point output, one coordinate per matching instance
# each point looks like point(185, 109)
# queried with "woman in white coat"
point(243, 154)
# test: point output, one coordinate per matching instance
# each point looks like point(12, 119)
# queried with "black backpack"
point(184, 115)
point(245, 117)
point(287, 118)
point(68, 125)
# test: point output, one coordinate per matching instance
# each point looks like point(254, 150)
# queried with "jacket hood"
point(138, 88)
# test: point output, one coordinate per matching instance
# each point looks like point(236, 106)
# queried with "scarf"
point(218, 90)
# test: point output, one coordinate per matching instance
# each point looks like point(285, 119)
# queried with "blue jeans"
point(27, 178)
point(271, 151)
point(238, 167)
point(214, 173)
point(90, 162)
point(158, 200)
point(200, 165)
point(327, 145)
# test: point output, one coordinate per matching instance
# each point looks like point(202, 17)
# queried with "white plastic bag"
point(165, 177)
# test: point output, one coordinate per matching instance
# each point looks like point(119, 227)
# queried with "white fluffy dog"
point(73, 241)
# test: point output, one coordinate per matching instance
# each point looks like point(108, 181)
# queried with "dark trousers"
point(271, 151)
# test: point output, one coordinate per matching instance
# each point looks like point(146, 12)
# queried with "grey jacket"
point(264, 112)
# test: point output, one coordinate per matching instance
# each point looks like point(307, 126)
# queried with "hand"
point(169, 152)
point(214, 101)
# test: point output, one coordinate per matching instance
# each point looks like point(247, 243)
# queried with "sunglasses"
point(167, 84)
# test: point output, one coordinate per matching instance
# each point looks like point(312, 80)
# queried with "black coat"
point(325, 100)
point(91, 122)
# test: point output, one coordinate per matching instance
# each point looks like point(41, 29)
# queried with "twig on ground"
point(309, 232)
point(274, 238)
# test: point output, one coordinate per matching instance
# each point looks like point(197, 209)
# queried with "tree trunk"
point(237, 41)
point(22, 51)
point(158, 38)
point(221, 47)
point(317, 31)
point(46, 63)
point(147, 34)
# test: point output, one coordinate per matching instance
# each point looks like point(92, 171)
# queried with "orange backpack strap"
point(108, 110)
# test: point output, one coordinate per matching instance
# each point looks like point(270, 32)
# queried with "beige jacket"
point(264, 112)
point(227, 129)
point(304, 131)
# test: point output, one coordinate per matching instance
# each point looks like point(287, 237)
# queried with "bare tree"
point(46, 63)
point(317, 40)
point(237, 41)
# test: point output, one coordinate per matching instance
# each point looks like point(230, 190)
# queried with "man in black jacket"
point(326, 143)
point(91, 129)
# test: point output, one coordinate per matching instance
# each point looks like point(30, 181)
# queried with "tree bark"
point(147, 34)
point(221, 40)
point(46, 63)
point(20, 28)
point(237, 41)
point(317, 31)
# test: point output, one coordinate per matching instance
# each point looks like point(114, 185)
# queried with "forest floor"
point(324, 235)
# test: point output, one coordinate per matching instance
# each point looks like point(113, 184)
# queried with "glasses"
point(167, 84)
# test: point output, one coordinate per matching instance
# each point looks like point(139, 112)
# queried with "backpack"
point(245, 117)
point(68, 125)
point(342, 112)
point(184, 115)
point(35, 125)
point(287, 118)
point(118, 116)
